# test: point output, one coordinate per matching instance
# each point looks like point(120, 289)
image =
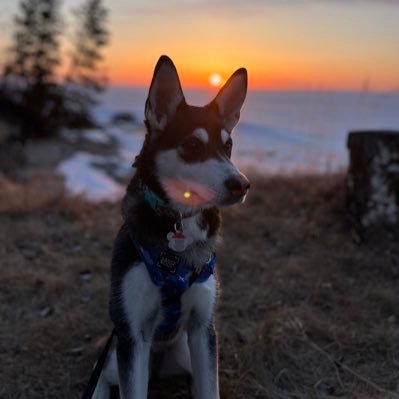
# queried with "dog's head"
point(187, 149)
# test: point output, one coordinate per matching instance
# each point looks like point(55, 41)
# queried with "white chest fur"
point(192, 227)
point(141, 298)
point(199, 300)
point(202, 246)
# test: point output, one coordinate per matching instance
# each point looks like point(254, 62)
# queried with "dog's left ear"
point(164, 96)
point(231, 97)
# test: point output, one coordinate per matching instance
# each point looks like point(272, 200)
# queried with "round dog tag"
point(178, 241)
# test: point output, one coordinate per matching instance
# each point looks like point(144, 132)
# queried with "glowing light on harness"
point(187, 194)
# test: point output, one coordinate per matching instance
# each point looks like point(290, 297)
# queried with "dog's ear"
point(165, 94)
point(231, 97)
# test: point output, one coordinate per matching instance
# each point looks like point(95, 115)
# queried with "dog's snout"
point(237, 185)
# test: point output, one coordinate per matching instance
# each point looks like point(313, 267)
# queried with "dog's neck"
point(152, 228)
point(162, 206)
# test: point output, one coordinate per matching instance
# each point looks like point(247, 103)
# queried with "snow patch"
point(82, 178)
point(96, 136)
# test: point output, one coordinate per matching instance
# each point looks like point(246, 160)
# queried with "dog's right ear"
point(164, 96)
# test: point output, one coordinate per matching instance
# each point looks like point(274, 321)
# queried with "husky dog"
point(164, 287)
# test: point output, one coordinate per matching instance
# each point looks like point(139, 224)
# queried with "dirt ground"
point(308, 309)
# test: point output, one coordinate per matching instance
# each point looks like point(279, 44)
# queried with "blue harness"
point(173, 276)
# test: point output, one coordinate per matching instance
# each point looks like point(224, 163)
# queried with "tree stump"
point(373, 177)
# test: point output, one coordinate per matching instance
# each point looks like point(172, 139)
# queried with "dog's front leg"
point(137, 312)
point(203, 350)
point(133, 366)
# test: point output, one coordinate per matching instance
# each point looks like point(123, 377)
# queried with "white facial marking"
point(224, 135)
point(201, 134)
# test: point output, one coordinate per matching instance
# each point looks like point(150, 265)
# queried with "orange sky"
point(284, 44)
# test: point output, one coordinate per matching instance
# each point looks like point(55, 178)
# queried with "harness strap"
point(173, 276)
point(95, 375)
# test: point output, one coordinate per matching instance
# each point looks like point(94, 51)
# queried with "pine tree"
point(85, 80)
point(30, 73)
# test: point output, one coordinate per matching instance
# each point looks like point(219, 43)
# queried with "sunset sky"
point(284, 44)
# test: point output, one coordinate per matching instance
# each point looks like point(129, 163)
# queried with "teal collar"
point(160, 206)
point(157, 204)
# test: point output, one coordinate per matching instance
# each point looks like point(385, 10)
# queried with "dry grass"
point(307, 310)
point(44, 187)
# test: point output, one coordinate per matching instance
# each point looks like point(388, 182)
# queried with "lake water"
point(285, 132)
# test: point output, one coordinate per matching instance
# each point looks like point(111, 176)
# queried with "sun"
point(215, 79)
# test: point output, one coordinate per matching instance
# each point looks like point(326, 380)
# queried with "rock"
point(373, 177)
point(87, 337)
point(85, 299)
point(86, 276)
point(324, 388)
point(29, 253)
point(31, 249)
point(123, 118)
point(75, 351)
point(243, 336)
point(46, 311)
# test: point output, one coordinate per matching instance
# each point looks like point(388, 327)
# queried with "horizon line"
point(273, 89)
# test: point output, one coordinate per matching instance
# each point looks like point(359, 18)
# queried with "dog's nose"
point(237, 185)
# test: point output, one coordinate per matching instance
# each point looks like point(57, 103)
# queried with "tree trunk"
point(373, 177)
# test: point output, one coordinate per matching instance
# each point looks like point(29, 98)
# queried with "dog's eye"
point(193, 149)
point(228, 145)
